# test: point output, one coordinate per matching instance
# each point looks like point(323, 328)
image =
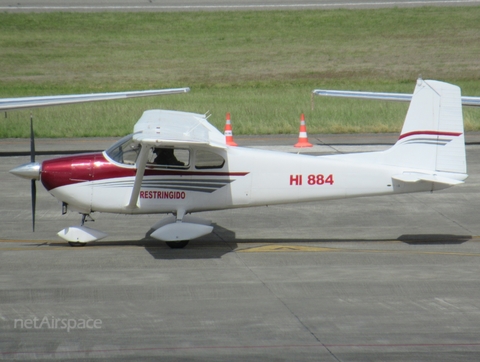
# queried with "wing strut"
point(141, 163)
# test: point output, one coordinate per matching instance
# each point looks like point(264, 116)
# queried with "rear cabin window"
point(206, 159)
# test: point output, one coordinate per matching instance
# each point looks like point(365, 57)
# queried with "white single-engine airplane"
point(178, 163)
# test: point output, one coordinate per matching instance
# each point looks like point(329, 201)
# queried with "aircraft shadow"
point(223, 241)
point(434, 239)
point(420, 239)
point(211, 246)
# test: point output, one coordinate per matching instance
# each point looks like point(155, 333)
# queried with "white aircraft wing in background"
point(400, 97)
point(8, 104)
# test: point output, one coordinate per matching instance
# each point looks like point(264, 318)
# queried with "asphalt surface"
point(368, 279)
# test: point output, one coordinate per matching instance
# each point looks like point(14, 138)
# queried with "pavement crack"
point(304, 326)
point(455, 222)
point(329, 146)
point(232, 249)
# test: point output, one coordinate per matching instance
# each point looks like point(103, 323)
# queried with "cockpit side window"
point(169, 157)
point(124, 151)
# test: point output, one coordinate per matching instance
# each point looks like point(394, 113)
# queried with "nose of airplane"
point(30, 171)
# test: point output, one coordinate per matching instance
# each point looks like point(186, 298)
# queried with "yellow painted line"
point(64, 248)
point(48, 245)
point(36, 249)
point(25, 241)
point(297, 248)
point(285, 248)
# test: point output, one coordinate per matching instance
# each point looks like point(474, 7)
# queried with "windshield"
point(124, 151)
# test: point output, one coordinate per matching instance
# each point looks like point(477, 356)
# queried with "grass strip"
point(259, 66)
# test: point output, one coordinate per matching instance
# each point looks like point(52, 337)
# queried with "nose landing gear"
point(81, 235)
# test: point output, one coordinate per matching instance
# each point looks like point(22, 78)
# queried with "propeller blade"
point(34, 202)
point(32, 140)
point(32, 183)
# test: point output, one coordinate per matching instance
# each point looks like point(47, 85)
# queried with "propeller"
point(31, 171)
point(33, 184)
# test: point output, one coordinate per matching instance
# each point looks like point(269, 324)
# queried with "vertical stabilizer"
point(432, 136)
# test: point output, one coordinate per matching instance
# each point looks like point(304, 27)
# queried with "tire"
point(76, 243)
point(177, 244)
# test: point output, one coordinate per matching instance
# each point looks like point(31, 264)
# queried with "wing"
point(158, 128)
point(7, 104)
point(400, 97)
point(172, 128)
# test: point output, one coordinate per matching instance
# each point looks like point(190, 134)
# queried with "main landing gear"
point(178, 229)
point(76, 243)
point(177, 244)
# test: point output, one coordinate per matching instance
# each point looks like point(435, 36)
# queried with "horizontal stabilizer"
point(417, 177)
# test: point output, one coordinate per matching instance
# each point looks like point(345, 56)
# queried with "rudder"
point(432, 136)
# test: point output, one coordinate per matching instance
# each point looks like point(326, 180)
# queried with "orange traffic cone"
point(302, 137)
point(228, 132)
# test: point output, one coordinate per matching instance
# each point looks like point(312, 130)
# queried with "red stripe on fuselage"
point(74, 169)
point(430, 133)
point(150, 172)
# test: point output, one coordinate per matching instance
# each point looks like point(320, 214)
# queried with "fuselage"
point(226, 178)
